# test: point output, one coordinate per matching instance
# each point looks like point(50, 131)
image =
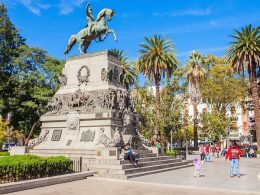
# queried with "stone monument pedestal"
point(92, 109)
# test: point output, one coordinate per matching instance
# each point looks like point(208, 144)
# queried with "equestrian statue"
point(95, 29)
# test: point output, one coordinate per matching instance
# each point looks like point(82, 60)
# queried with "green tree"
point(244, 54)
point(37, 75)
point(9, 49)
point(3, 128)
point(144, 105)
point(214, 125)
point(195, 74)
point(128, 72)
point(171, 108)
point(157, 60)
point(222, 88)
point(28, 77)
point(171, 112)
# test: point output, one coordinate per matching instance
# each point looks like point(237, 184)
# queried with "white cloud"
point(38, 6)
point(203, 51)
point(188, 12)
point(35, 6)
point(67, 6)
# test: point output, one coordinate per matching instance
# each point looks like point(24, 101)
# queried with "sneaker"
point(231, 176)
point(135, 165)
point(238, 176)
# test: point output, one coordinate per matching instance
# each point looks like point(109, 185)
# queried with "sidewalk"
point(215, 181)
point(214, 175)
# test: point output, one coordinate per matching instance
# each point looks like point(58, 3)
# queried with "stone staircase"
point(120, 169)
point(123, 169)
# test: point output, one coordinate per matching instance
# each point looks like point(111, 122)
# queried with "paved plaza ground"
point(215, 180)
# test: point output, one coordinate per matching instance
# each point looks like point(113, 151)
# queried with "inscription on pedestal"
point(56, 135)
point(87, 136)
point(112, 153)
point(98, 153)
point(99, 115)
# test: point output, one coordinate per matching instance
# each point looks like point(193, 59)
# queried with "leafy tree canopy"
point(222, 88)
point(214, 125)
point(28, 77)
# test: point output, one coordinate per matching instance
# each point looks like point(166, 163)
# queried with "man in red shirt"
point(233, 154)
point(207, 153)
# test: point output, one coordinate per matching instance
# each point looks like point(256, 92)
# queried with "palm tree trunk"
point(157, 102)
point(195, 121)
point(255, 99)
point(157, 94)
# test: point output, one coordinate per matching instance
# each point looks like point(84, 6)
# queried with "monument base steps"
point(120, 169)
point(123, 169)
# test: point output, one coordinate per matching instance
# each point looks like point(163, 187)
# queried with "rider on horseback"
point(95, 29)
point(90, 19)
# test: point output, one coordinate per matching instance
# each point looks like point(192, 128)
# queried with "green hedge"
point(171, 152)
point(4, 154)
point(23, 167)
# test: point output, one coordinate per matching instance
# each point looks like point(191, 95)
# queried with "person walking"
point(207, 152)
point(159, 147)
point(233, 154)
point(217, 150)
point(202, 152)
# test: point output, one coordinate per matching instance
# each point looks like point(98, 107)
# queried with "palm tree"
point(244, 53)
point(128, 72)
point(157, 60)
point(195, 75)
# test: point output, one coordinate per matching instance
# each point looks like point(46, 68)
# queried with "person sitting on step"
point(131, 156)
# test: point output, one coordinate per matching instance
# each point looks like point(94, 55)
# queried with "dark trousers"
point(131, 157)
point(202, 156)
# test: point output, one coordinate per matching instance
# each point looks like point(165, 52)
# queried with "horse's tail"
point(71, 43)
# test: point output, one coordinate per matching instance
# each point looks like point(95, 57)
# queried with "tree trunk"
point(31, 132)
point(195, 124)
point(157, 94)
point(255, 99)
point(157, 102)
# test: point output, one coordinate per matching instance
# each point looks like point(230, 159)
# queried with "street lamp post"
point(171, 139)
point(186, 145)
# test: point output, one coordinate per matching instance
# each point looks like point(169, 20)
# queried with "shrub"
point(4, 154)
point(171, 152)
point(16, 168)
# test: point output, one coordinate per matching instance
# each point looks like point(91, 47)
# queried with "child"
point(197, 167)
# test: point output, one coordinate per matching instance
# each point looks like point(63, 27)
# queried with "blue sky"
point(203, 25)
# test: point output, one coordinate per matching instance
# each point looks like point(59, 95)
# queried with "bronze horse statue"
point(95, 29)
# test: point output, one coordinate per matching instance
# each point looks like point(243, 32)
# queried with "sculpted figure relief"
point(117, 139)
point(62, 80)
point(40, 139)
point(55, 105)
point(107, 142)
point(103, 138)
point(83, 75)
point(95, 29)
point(104, 75)
point(144, 140)
point(83, 101)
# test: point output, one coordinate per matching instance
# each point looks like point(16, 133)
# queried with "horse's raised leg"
point(114, 34)
point(86, 45)
point(71, 42)
point(80, 47)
